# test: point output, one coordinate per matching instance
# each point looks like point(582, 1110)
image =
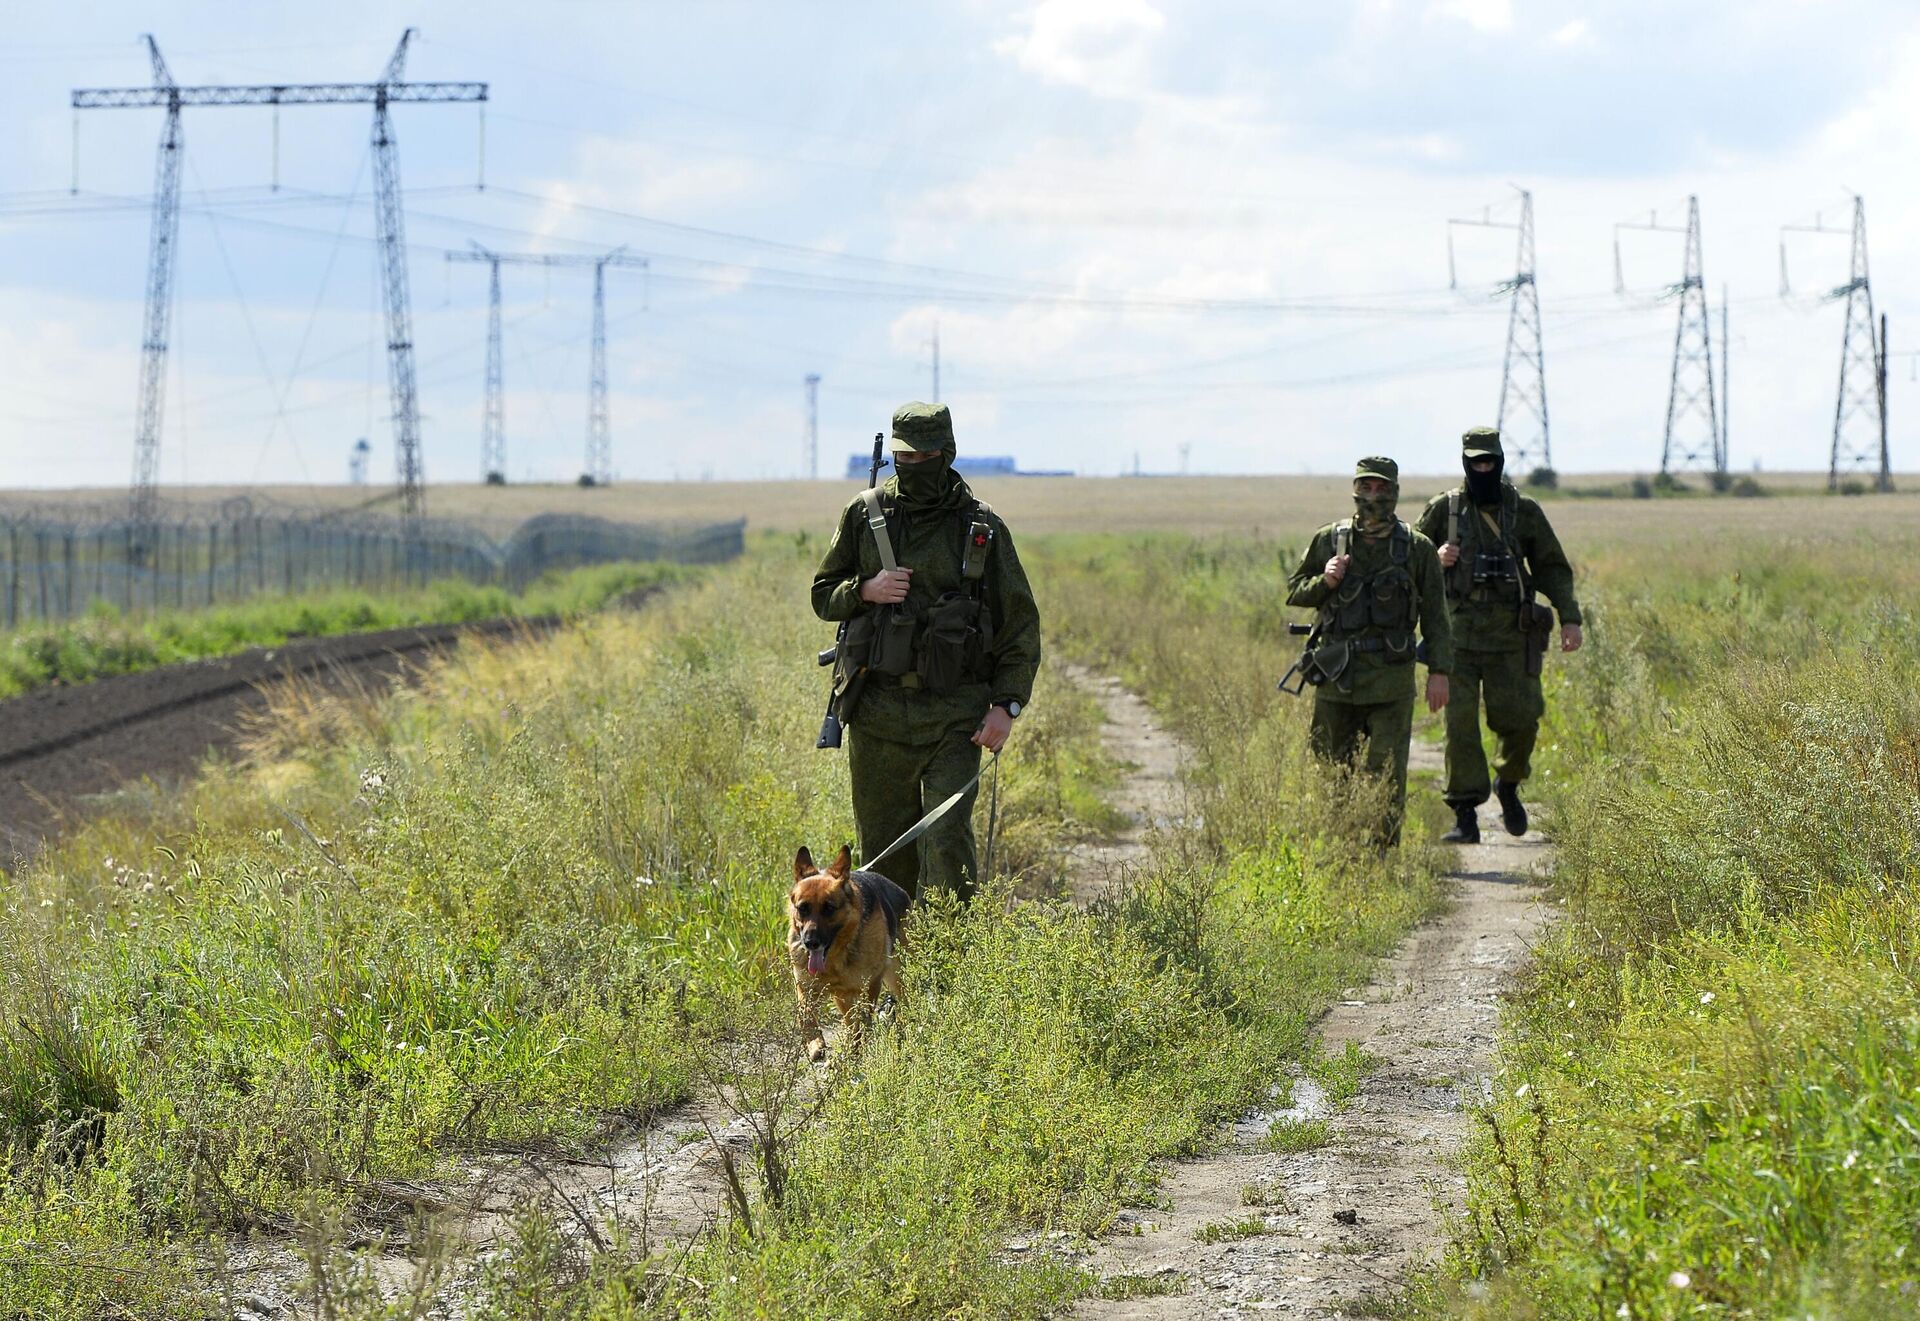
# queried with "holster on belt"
point(1536, 624)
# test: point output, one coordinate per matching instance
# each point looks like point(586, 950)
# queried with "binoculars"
point(1492, 566)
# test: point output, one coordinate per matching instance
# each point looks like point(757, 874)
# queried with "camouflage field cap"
point(1481, 443)
point(922, 428)
point(1385, 469)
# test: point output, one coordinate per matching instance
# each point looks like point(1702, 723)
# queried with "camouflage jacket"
point(1487, 617)
point(929, 541)
point(1377, 677)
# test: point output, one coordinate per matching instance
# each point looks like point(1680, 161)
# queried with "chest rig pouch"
point(1376, 612)
point(959, 628)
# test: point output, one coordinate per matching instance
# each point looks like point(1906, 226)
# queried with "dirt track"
point(62, 749)
point(1345, 1222)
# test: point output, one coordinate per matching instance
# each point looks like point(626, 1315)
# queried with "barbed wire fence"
point(57, 563)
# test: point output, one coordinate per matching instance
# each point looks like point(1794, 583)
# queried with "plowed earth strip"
point(63, 748)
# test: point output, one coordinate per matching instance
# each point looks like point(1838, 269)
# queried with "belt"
point(1398, 644)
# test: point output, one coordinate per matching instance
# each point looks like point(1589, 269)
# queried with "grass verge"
point(104, 643)
point(1708, 1105)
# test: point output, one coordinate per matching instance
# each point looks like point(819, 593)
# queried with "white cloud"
point(1577, 35)
point(638, 176)
point(1492, 16)
point(1102, 46)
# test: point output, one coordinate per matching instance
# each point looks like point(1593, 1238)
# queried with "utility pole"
point(812, 465)
point(1690, 386)
point(1727, 381)
point(1523, 373)
point(389, 225)
point(1860, 410)
point(1886, 475)
point(936, 363)
point(598, 467)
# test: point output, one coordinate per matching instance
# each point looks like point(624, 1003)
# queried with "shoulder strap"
point(1402, 541)
point(877, 520)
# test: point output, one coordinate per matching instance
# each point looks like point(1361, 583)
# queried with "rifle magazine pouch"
point(1326, 663)
point(855, 646)
point(950, 647)
point(892, 652)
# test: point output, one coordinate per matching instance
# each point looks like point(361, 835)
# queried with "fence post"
point(40, 568)
point(13, 573)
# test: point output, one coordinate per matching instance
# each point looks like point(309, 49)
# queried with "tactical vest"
point(1376, 612)
point(1490, 567)
point(948, 643)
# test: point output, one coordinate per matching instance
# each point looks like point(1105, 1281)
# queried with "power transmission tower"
point(357, 462)
point(389, 224)
point(1690, 387)
point(1523, 373)
point(599, 464)
point(493, 415)
point(936, 364)
point(812, 468)
point(598, 469)
point(1860, 410)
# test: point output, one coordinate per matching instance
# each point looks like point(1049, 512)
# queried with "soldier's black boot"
point(1466, 825)
point(1513, 812)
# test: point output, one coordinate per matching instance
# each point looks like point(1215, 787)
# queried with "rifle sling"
point(877, 521)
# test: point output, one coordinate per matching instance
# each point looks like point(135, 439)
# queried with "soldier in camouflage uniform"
point(1372, 579)
point(961, 597)
point(1498, 550)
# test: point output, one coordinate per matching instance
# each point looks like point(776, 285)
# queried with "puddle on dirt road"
point(1308, 1103)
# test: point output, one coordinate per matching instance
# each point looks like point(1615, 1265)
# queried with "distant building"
point(967, 465)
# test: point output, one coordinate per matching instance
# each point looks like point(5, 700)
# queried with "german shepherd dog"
point(843, 934)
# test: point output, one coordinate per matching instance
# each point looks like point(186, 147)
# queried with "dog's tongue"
point(816, 960)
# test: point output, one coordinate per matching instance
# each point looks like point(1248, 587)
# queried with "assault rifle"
point(1297, 675)
point(845, 684)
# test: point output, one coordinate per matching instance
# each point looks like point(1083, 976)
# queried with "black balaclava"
point(923, 485)
point(1483, 488)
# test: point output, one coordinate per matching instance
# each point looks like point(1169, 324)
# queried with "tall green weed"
point(1708, 1105)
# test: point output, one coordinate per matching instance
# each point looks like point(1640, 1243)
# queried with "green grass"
point(1229, 1231)
point(544, 891)
point(1707, 1104)
point(103, 643)
point(1163, 1284)
point(1289, 1136)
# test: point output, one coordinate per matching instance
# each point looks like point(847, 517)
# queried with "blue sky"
point(1141, 227)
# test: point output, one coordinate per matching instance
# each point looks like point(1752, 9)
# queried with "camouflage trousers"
point(894, 785)
point(1499, 680)
point(1343, 731)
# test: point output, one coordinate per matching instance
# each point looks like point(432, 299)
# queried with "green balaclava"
point(1373, 514)
point(923, 429)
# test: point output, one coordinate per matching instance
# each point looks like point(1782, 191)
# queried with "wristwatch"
point(1011, 707)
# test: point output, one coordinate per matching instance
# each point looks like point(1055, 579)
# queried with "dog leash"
point(921, 826)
